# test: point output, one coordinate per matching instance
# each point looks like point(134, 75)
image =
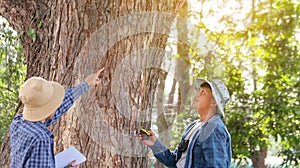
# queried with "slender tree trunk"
point(164, 120)
point(183, 63)
point(74, 39)
point(161, 121)
point(258, 160)
point(181, 75)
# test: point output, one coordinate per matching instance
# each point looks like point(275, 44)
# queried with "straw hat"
point(219, 92)
point(40, 97)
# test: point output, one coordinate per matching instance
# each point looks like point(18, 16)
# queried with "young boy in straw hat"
point(205, 142)
point(44, 103)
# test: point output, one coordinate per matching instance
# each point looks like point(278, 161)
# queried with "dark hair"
point(205, 85)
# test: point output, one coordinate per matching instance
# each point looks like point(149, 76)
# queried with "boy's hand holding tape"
point(147, 137)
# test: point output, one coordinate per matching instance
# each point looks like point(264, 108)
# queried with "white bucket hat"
point(40, 97)
point(219, 92)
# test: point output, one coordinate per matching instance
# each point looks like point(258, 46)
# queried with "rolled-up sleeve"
point(163, 154)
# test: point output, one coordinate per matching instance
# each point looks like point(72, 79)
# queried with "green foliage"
point(32, 32)
point(280, 91)
point(12, 73)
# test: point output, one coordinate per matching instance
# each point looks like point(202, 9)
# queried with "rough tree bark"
point(74, 39)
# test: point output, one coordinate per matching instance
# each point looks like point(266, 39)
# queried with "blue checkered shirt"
point(31, 142)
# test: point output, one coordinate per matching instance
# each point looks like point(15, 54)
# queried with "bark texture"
point(74, 39)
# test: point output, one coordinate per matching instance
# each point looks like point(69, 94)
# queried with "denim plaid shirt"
point(31, 142)
point(210, 147)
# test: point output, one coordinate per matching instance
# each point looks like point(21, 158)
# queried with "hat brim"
point(41, 113)
point(198, 82)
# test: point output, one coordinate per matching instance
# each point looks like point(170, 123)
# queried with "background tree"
point(170, 102)
point(65, 41)
point(12, 73)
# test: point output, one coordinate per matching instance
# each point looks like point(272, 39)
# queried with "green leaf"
point(40, 24)
point(32, 34)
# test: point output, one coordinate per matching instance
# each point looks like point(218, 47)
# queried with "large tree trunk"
point(74, 39)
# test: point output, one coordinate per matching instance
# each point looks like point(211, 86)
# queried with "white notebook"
point(65, 157)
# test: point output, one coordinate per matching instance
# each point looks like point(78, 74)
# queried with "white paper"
point(65, 157)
